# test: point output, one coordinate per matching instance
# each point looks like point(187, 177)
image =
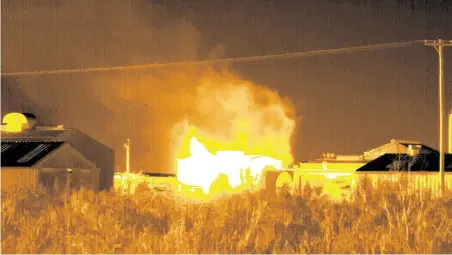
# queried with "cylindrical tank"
point(17, 122)
point(274, 179)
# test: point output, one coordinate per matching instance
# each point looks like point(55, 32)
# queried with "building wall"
point(53, 168)
point(333, 183)
point(14, 177)
point(55, 179)
point(52, 179)
point(331, 176)
point(65, 157)
point(329, 166)
point(95, 152)
point(129, 182)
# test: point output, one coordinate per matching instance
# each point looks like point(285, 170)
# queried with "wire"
point(227, 60)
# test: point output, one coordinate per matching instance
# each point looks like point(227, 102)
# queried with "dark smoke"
point(144, 106)
point(39, 35)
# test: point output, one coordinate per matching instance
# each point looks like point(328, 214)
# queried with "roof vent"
point(17, 122)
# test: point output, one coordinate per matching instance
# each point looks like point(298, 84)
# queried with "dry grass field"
point(378, 220)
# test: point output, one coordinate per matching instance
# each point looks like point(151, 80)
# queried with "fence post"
point(68, 215)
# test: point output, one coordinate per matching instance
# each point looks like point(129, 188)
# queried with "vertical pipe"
point(441, 113)
point(450, 132)
point(127, 145)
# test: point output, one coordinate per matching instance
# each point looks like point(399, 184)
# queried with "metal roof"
point(34, 134)
point(29, 115)
point(335, 161)
point(421, 148)
point(25, 153)
point(405, 162)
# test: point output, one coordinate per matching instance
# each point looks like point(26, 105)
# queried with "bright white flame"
point(203, 167)
point(331, 176)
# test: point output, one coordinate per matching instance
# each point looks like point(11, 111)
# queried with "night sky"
point(349, 102)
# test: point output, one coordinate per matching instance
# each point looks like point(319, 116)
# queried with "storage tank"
point(15, 122)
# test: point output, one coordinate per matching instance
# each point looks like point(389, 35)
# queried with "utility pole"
point(439, 45)
point(450, 132)
point(127, 146)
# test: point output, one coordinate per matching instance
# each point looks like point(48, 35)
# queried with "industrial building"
point(401, 149)
point(34, 155)
point(406, 157)
point(339, 174)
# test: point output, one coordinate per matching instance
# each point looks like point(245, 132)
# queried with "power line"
point(368, 47)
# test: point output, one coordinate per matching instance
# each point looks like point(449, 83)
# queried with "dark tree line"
point(428, 6)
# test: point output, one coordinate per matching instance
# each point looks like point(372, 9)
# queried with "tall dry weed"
point(382, 219)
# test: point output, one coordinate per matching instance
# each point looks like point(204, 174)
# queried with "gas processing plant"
point(50, 156)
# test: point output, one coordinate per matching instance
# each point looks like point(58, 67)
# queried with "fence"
point(415, 181)
point(340, 185)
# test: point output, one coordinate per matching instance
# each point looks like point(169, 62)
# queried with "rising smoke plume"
point(145, 106)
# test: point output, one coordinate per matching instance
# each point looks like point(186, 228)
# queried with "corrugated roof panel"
point(33, 153)
point(5, 147)
point(26, 153)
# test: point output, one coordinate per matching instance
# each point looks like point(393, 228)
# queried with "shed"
point(29, 164)
point(75, 147)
